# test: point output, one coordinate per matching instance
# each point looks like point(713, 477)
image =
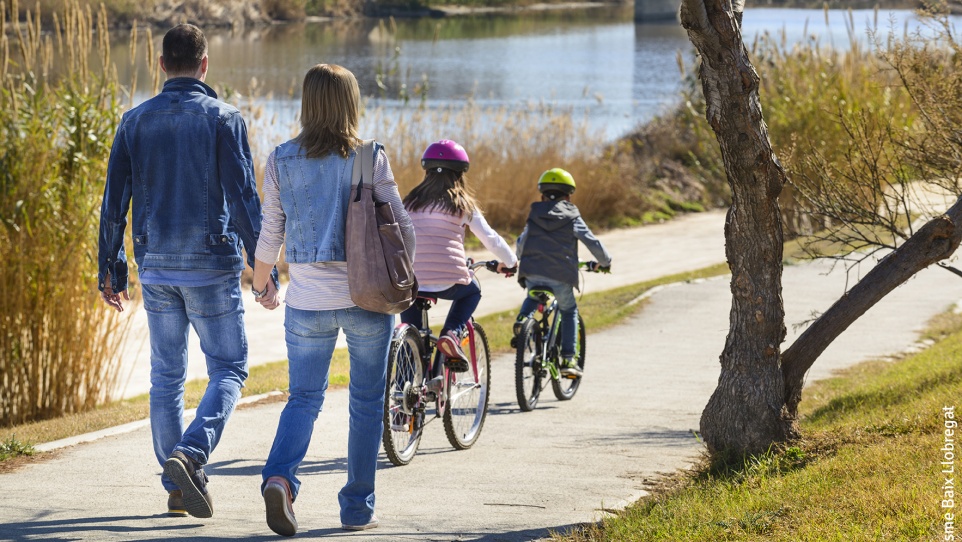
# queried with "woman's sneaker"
point(369, 525)
point(455, 359)
point(570, 369)
point(280, 506)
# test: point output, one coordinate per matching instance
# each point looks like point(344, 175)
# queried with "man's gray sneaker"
point(175, 504)
point(192, 481)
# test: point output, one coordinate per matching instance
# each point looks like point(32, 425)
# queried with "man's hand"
point(112, 299)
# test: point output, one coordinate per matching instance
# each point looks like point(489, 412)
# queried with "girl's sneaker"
point(455, 359)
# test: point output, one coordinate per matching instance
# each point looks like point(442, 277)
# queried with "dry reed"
point(59, 345)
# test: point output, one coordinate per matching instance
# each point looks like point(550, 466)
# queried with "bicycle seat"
point(424, 302)
point(541, 294)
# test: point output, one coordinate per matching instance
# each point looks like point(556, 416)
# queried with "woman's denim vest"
point(314, 194)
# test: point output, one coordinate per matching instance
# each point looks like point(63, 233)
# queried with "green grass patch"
point(599, 309)
point(867, 467)
point(12, 447)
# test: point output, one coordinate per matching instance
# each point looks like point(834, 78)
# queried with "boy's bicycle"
point(420, 389)
point(538, 344)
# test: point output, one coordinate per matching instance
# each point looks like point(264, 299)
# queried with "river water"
point(596, 62)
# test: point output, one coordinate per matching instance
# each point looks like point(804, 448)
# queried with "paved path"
point(639, 254)
point(530, 473)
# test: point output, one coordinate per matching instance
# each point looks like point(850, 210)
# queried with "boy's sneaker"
point(175, 504)
point(518, 324)
point(280, 506)
point(570, 369)
point(455, 359)
point(192, 481)
point(369, 525)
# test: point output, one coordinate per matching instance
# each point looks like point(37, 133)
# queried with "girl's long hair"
point(329, 111)
point(442, 190)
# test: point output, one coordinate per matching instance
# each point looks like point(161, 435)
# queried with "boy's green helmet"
point(556, 179)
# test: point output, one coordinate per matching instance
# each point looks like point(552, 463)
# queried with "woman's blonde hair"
point(330, 107)
point(443, 190)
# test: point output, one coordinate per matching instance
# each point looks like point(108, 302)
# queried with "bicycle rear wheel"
point(565, 388)
point(467, 404)
point(528, 371)
point(403, 419)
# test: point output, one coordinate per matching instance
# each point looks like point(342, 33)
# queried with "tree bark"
point(746, 412)
point(936, 240)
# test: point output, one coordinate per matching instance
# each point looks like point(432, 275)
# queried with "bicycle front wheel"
point(527, 366)
point(467, 404)
point(403, 413)
point(565, 388)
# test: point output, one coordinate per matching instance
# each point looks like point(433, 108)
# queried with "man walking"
point(183, 160)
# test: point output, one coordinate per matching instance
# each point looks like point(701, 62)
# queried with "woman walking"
point(306, 189)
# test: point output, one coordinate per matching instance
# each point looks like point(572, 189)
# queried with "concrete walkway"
point(529, 474)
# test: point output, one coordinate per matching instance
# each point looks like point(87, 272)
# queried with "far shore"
point(241, 15)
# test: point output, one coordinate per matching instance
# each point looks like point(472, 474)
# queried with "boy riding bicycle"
point(548, 253)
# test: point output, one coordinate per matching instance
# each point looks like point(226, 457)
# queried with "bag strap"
point(363, 166)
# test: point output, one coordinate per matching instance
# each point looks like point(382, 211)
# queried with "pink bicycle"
point(420, 389)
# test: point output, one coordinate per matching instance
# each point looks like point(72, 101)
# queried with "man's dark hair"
point(184, 48)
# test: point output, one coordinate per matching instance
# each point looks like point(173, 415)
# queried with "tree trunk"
point(745, 414)
point(756, 402)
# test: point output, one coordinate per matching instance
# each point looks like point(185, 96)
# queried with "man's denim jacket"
point(184, 160)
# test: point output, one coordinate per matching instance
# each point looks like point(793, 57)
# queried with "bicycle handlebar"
point(593, 267)
point(491, 265)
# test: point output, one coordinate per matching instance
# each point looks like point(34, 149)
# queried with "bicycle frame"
point(547, 351)
point(431, 364)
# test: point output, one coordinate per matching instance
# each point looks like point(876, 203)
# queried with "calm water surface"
point(595, 62)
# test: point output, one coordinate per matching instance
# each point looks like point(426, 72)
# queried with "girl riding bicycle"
point(440, 208)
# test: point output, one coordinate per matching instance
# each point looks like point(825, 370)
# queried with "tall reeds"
point(59, 345)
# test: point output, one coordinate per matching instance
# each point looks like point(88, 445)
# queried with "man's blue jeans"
point(216, 313)
point(567, 304)
point(311, 336)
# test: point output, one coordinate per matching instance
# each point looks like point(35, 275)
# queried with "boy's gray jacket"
point(548, 246)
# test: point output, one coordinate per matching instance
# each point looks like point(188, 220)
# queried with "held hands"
point(270, 300)
point(112, 299)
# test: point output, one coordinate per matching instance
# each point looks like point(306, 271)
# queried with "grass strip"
point(869, 466)
point(599, 309)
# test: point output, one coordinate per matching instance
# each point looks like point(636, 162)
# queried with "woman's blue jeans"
point(567, 304)
point(311, 336)
point(216, 313)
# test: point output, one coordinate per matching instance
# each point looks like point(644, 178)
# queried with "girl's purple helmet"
point(447, 154)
